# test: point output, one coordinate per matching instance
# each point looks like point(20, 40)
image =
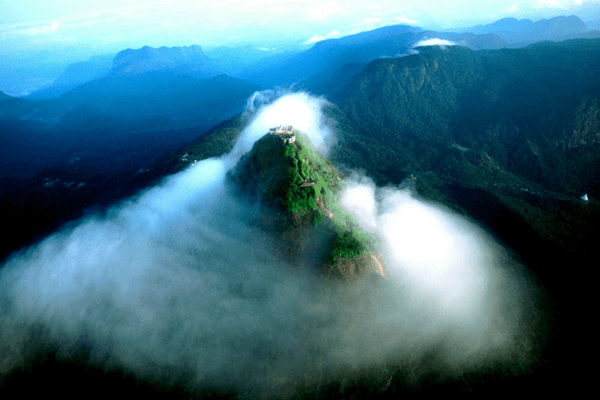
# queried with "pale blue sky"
point(96, 26)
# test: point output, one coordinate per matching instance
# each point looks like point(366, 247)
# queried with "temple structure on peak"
point(285, 132)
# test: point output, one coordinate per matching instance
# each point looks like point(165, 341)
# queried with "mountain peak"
point(298, 191)
point(131, 62)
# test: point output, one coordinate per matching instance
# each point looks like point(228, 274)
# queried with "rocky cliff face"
point(297, 190)
point(585, 127)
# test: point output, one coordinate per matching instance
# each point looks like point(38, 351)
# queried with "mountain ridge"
point(327, 56)
point(178, 60)
point(526, 31)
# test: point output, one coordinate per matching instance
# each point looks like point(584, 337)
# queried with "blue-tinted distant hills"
point(526, 31)
point(504, 24)
point(171, 101)
point(313, 67)
point(328, 56)
point(176, 60)
point(332, 54)
point(134, 63)
point(147, 102)
point(174, 88)
point(593, 25)
point(586, 35)
point(235, 60)
point(242, 55)
point(75, 75)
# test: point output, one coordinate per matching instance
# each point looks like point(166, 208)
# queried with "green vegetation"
point(306, 165)
point(349, 240)
point(511, 133)
point(275, 172)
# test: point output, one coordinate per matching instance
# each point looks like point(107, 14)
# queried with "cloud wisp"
point(434, 42)
point(181, 285)
point(317, 38)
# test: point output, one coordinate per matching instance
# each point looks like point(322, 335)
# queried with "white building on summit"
point(281, 130)
point(286, 133)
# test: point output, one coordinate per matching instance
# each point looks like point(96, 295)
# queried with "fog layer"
point(180, 284)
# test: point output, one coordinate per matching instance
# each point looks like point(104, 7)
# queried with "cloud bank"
point(182, 285)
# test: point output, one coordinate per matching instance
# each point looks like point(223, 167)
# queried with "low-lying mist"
point(180, 285)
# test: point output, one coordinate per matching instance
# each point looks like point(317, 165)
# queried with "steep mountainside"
point(521, 107)
point(172, 102)
point(298, 194)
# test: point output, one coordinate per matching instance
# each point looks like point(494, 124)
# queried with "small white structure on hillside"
point(286, 133)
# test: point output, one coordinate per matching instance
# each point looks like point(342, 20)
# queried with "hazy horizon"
point(39, 40)
point(96, 27)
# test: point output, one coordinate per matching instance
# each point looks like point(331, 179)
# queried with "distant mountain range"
point(176, 60)
point(312, 68)
point(525, 31)
point(173, 62)
point(328, 56)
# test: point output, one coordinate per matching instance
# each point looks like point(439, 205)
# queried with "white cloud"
point(548, 3)
point(316, 38)
point(114, 39)
point(406, 21)
point(434, 42)
point(512, 9)
point(44, 29)
point(410, 52)
point(322, 12)
point(562, 4)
